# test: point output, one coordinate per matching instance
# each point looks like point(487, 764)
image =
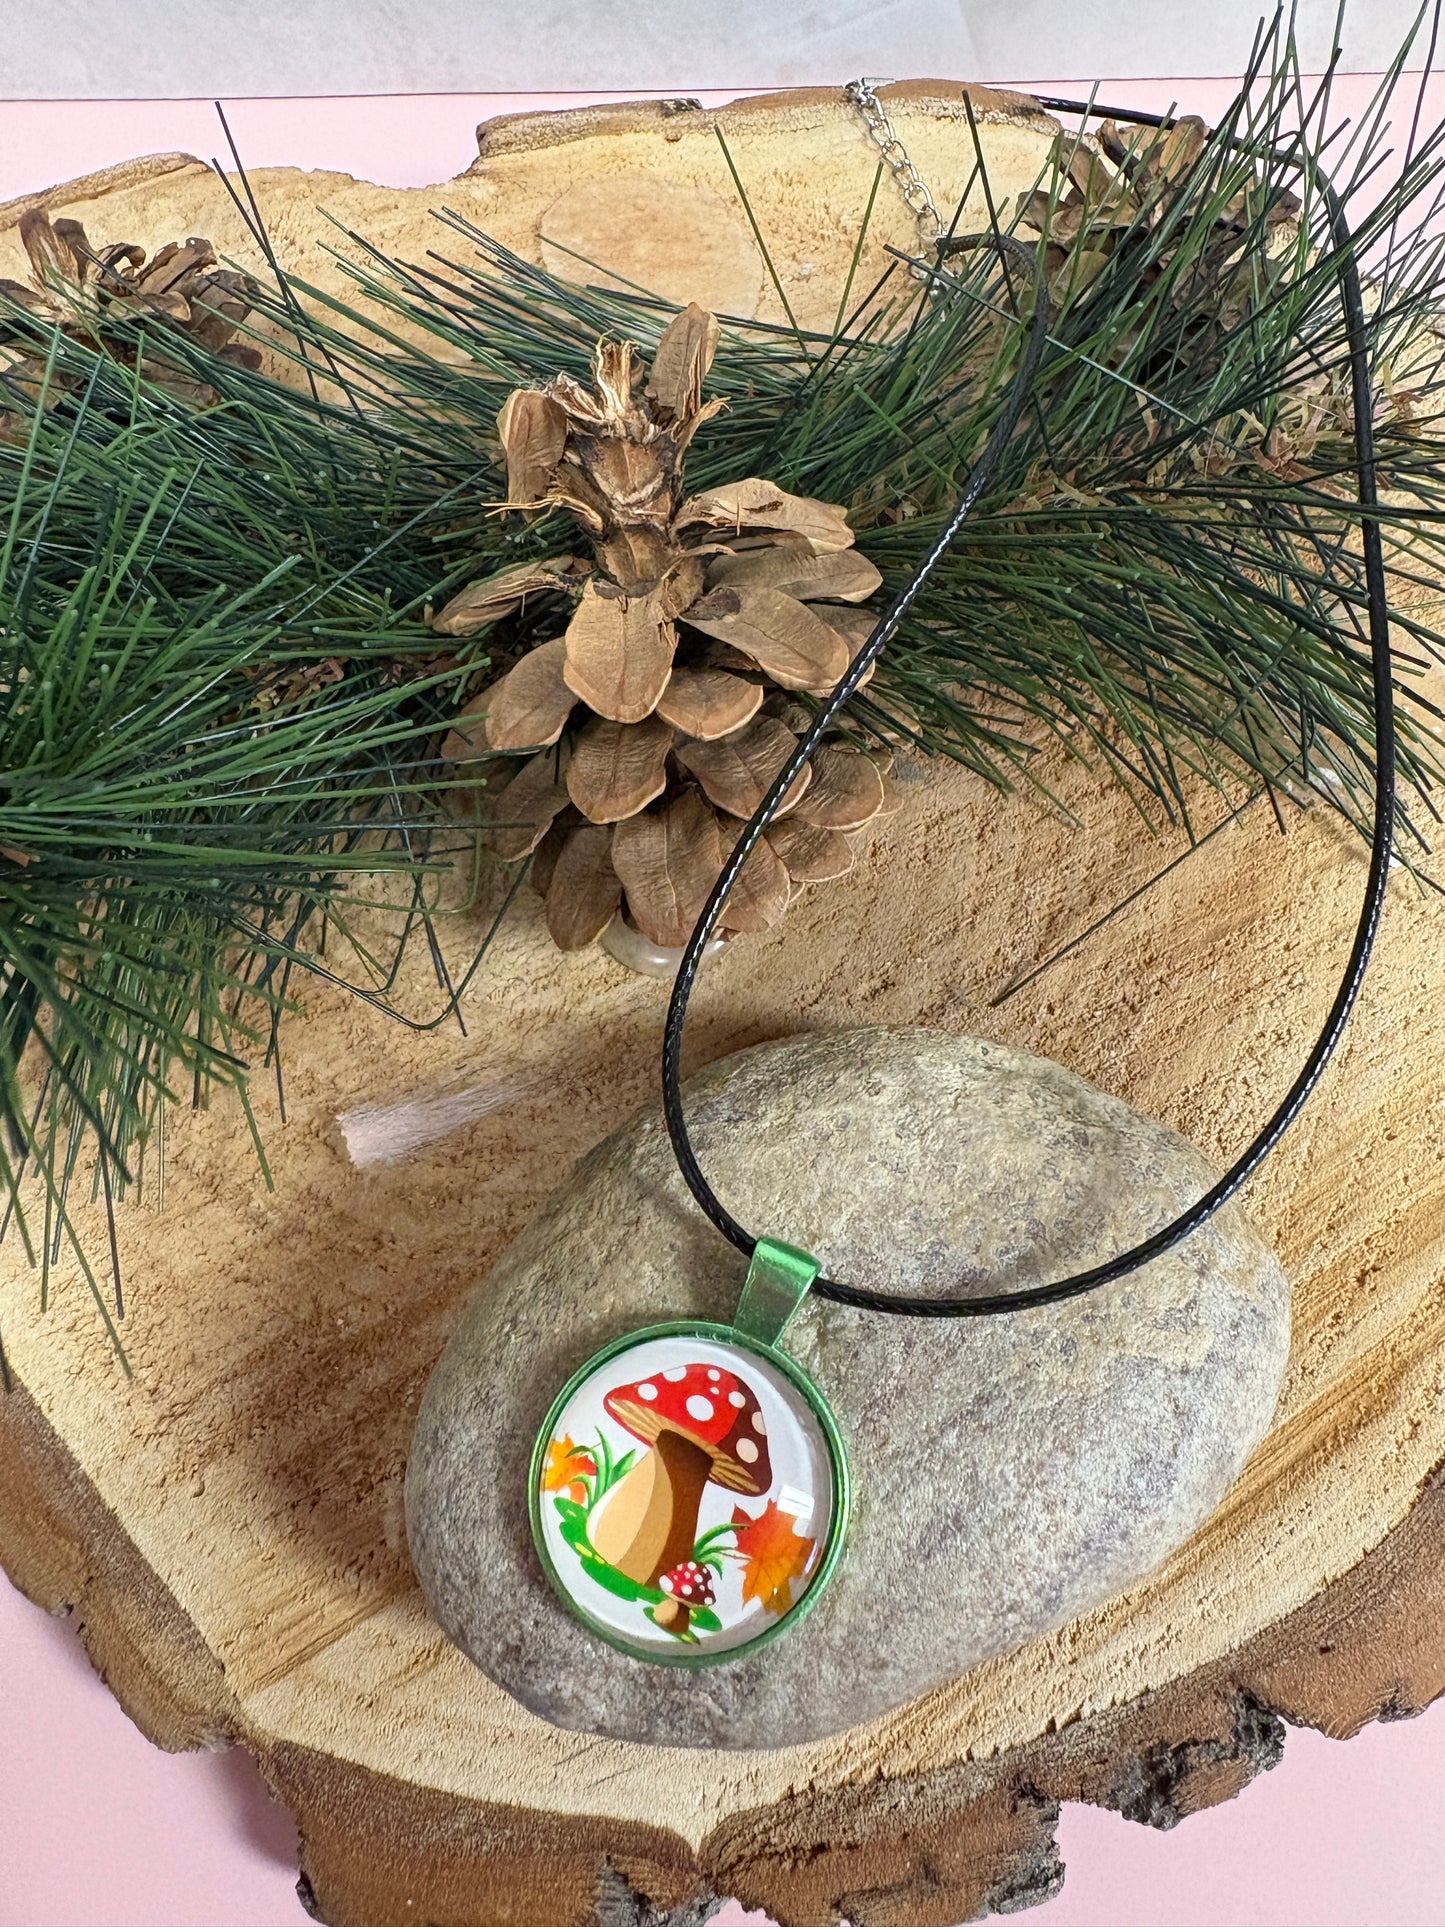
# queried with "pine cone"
point(1121, 187)
point(81, 290)
point(657, 722)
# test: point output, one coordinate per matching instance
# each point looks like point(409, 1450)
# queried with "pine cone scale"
point(526, 808)
point(668, 861)
point(783, 636)
point(755, 504)
point(529, 707)
point(585, 890)
point(617, 770)
point(812, 855)
point(846, 791)
point(503, 593)
point(619, 651)
point(709, 703)
point(762, 891)
point(736, 772)
point(837, 574)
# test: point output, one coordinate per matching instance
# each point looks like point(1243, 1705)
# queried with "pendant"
point(689, 1490)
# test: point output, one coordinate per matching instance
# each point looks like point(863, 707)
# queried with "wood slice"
point(226, 1525)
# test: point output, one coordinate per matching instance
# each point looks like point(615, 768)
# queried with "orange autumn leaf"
point(565, 1462)
point(775, 1554)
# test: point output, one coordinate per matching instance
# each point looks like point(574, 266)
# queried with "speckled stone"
point(1009, 1472)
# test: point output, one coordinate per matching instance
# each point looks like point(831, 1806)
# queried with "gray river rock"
point(1009, 1472)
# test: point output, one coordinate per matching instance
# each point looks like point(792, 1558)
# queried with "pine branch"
point(223, 698)
point(198, 744)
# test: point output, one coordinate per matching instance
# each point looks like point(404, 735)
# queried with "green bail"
point(778, 1281)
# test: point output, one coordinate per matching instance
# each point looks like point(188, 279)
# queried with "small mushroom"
point(687, 1586)
point(704, 1425)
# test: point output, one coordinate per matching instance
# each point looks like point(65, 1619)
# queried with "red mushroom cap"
point(709, 1405)
point(690, 1583)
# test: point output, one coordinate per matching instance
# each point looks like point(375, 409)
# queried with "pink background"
point(99, 1829)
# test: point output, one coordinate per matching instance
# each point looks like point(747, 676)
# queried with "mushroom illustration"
point(687, 1586)
point(703, 1424)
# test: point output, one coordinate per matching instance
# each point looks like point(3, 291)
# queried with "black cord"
point(1381, 841)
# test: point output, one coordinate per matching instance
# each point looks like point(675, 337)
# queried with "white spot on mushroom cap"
point(675, 1372)
point(647, 1391)
point(758, 1424)
point(714, 1373)
point(699, 1408)
point(666, 1582)
point(747, 1451)
point(736, 1398)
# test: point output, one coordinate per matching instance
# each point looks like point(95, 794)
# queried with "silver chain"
point(889, 144)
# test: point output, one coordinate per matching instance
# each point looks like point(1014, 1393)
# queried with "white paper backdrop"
point(150, 49)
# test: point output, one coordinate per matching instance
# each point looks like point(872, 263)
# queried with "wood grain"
point(225, 1526)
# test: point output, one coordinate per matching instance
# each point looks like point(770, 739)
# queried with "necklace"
point(712, 1450)
point(911, 184)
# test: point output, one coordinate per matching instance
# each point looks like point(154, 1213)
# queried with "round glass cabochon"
point(686, 1495)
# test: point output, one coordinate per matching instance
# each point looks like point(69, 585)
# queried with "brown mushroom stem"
point(648, 1521)
point(672, 1615)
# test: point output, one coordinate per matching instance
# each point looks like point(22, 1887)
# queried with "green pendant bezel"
point(837, 1532)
